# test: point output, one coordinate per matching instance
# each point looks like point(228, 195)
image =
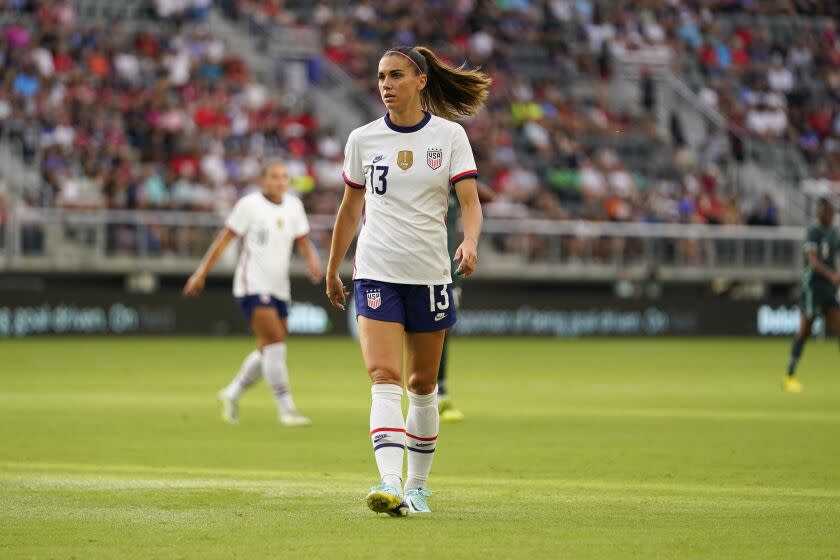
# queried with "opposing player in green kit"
point(819, 287)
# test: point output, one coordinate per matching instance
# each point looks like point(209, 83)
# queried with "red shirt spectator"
point(235, 69)
point(182, 162)
point(207, 117)
point(62, 62)
point(147, 45)
point(820, 121)
point(708, 56)
point(710, 208)
point(745, 35)
point(740, 54)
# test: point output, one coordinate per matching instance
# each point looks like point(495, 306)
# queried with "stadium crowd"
point(781, 84)
point(541, 145)
point(155, 120)
point(172, 120)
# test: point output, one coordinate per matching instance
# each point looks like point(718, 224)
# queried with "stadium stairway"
point(294, 57)
point(772, 169)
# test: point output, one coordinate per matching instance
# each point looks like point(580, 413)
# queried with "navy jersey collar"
point(397, 128)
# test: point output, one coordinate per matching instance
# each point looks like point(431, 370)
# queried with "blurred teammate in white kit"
point(269, 223)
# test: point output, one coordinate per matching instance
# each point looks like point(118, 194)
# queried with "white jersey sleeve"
point(353, 172)
point(462, 165)
point(241, 216)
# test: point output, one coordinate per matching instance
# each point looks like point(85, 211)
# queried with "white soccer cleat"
point(294, 419)
point(229, 408)
point(416, 500)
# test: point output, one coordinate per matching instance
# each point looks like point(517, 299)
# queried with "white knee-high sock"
point(277, 376)
point(249, 373)
point(421, 427)
point(387, 432)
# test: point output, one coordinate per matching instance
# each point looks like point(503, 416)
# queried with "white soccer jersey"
point(406, 173)
point(268, 232)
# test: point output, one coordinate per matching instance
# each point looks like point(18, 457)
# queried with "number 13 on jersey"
point(382, 171)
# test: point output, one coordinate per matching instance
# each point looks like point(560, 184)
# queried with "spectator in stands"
point(779, 77)
point(766, 213)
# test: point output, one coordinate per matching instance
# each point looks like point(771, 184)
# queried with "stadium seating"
point(184, 120)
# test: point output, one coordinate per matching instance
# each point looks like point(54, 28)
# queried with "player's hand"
point(835, 279)
point(467, 257)
point(314, 270)
point(336, 292)
point(194, 285)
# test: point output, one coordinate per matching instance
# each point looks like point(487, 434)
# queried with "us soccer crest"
point(374, 299)
point(405, 159)
point(434, 157)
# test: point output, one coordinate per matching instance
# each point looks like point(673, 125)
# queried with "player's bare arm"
point(346, 222)
point(467, 252)
point(307, 250)
point(195, 283)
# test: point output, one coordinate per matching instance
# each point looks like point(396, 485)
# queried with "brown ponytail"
point(451, 93)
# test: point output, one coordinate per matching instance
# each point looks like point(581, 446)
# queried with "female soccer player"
point(400, 168)
point(269, 223)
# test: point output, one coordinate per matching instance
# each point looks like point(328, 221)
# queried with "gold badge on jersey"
point(280, 223)
point(404, 159)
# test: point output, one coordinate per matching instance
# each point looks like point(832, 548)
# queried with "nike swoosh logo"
point(377, 159)
point(439, 317)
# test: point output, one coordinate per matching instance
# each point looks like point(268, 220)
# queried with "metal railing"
point(173, 242)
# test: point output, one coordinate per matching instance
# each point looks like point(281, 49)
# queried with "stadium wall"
point(52, 304)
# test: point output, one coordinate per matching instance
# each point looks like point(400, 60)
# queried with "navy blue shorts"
point(418, 307)
point(249, 302)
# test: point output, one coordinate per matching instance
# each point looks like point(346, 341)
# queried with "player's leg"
point(423, 350)
point(271, 330)
point(249, 373)
point(382, 350)
point(806, 321)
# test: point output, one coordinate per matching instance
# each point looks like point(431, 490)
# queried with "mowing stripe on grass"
point(68, 475)
point(48, 401)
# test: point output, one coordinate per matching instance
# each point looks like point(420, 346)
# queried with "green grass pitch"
point(112, 448)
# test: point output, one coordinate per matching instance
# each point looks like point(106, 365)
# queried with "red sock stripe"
point(421, 438)
point(400, 430)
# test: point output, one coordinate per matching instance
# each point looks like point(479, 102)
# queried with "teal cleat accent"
point(416, 498)
point(384, 498)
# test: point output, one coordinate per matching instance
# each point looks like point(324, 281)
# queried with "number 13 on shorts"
point(438, 300)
